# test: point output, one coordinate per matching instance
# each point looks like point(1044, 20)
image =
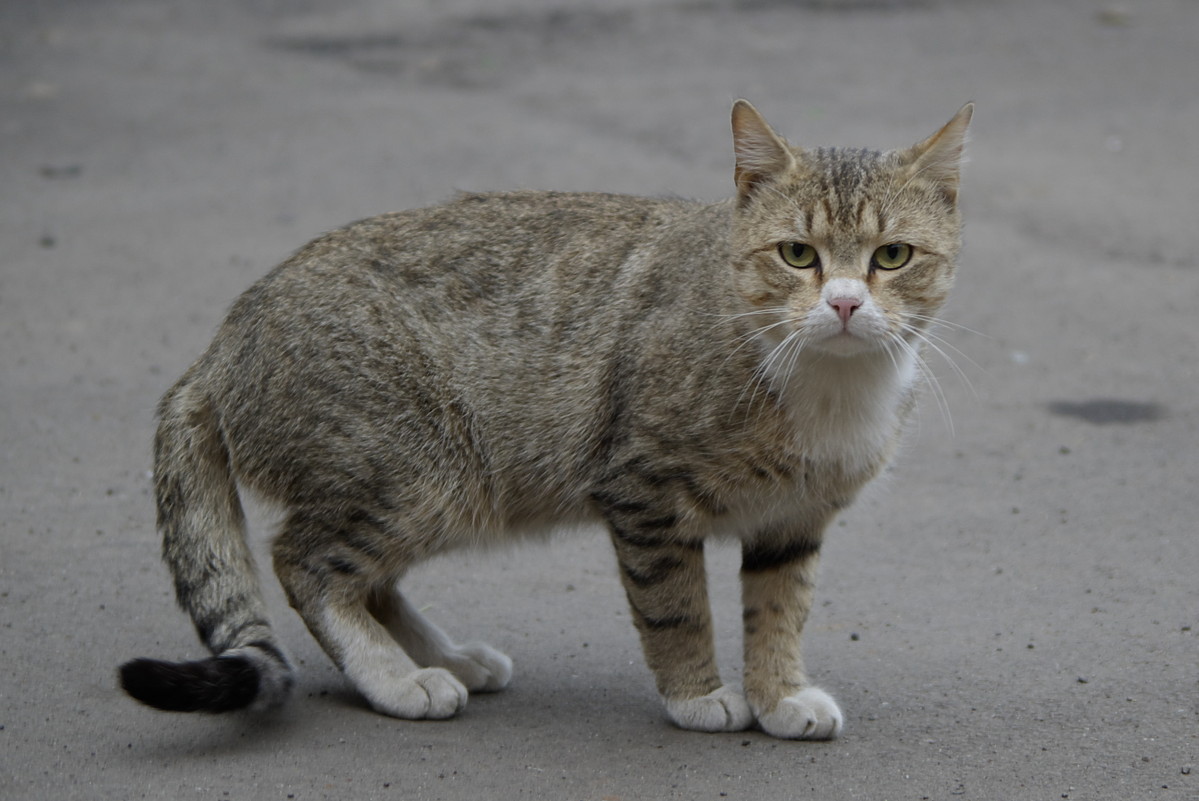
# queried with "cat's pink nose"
point(845, 307)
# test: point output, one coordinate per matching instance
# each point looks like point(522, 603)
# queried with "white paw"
point(480, 667)
point(724, 709)
point(810, 714)
point(429, 693)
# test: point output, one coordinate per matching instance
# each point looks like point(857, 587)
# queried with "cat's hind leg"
point(331, 588)
point(478, 666)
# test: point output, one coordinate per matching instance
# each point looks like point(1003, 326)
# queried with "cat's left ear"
point(761, 153)
point(939, 158)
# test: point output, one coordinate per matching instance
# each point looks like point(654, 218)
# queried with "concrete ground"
point(1013, 615)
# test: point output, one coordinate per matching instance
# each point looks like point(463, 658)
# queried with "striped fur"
point(507, 364)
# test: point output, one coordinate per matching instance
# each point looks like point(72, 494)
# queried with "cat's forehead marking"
point(845, 171)
point(841, 197)
point(847, 181)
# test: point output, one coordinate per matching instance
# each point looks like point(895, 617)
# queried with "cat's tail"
point(204, 544)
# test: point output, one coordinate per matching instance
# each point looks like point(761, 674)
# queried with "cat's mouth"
point(848, 343)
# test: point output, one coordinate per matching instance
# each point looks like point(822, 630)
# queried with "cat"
point(506, 364)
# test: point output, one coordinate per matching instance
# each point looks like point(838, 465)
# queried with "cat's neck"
point(848, 410)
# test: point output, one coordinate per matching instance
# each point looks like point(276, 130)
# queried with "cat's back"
point(499, 265)
point(509, 235)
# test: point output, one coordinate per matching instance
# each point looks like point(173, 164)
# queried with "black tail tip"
point(216, 684)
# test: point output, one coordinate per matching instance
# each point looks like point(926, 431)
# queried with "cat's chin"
point(846, 344)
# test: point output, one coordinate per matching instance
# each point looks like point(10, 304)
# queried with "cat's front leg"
point(777, 579)
point(667, 589)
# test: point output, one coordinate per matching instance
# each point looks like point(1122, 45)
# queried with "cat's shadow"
point(234, 734)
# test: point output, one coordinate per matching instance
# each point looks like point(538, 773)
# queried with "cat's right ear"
point(939, 158)
point(761, 153)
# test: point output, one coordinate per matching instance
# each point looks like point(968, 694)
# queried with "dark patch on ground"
point(1104, 411)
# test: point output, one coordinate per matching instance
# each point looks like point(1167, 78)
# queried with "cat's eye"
point(799, 255)
point(892, 257)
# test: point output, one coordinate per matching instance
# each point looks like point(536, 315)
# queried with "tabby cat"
point(506, 364)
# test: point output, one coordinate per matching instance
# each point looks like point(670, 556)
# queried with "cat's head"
point(844, 251)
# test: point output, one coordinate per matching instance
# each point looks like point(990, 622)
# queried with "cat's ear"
point(939, 158)
point(761, 153)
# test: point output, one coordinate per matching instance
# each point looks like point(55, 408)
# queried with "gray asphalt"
point(1012, 614)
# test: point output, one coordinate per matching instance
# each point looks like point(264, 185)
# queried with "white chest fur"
point(847, 410)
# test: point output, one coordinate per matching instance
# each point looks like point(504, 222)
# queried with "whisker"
point(938, 321)
point(796, 350)
point(930, 337)
point(752, 312)
point(929, 377)
point(931, 341)
point(764, 371)
point(767, 367)
point(774, 310)
point(747, 338)
point(721, 317)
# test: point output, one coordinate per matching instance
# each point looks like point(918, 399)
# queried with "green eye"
point(892, 257)
point(799, 255)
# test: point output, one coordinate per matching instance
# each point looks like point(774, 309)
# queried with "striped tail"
point(216, 583)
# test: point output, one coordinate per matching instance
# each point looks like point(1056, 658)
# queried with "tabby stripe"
point(611, 503)
point(658, 571)
point(258, 622)
point(859, 215)
point(343, 566)
point(826, 203)
point(360, 541)
point(769, 468)
point(186, 588)
point(666, 521)
point(638, 540)
point(616, 390)
point(270, 649)
point(758, 558)
point(656, 623)
point(640, 468)
point(207, 620)
point(358, 516)
point(665, 623)
point(701, 497)
point(644, 540)
point(358, 530)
